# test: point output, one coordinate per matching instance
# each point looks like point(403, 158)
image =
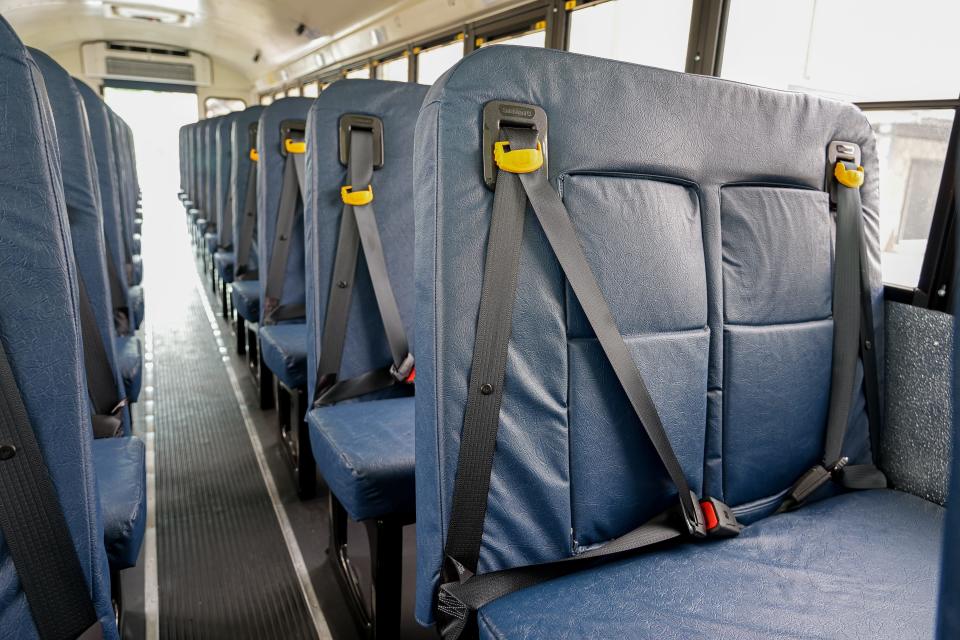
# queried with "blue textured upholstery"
point(223, 260)
point(122, 484)
point(137, 305)
point(223, 152)
point(861, 565)
point(136, 270)
point(212, 239)
point(39, 327)
point(101, 135)
point(269, 186)
point(284, 349)
point(199, 143)
point(130, 359)
point(246, 299)
point(210, 174)
point(127, 179)
point(949, 623)
point(712, 244)
point(239, 174)
point(364, 450)
point(81, 190)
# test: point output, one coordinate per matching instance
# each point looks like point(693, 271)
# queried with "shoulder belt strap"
point(101, 380)
point(290, 207)
point(247, 227)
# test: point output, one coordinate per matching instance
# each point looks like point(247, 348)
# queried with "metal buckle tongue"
point(406, 371)
point(696, 525)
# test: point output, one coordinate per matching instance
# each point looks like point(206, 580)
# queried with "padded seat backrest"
point(98, 120)
point(125, 178)
point(82, 193)
point(210, 162)
point(396, 104)
point(240, 162)
point(269, 187)
point(223, 144)
point(39, 326)
point(699, 204)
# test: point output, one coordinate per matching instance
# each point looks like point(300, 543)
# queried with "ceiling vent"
point(156, 12)
point(146, 63)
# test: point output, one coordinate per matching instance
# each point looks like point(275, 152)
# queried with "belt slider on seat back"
point(498, 114)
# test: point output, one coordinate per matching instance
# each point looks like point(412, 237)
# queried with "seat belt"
point(249, 223)
point(358, 228)
point(852, 338)
point(290, 196)
point(224, 241)
point(462, 592)
point(35, 528)
point(121, 312)
point(101, 381)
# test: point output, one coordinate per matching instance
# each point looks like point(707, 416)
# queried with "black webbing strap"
point(224, 240)
point(850, 313)
point(358, 228)
point(462, 591)
point(101, 383)
point(35, 529)
point(247, 227)
point(290, 197)
point(118, 297)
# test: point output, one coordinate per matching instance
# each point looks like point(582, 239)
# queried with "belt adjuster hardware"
point(356, 198)
point(720, 519)
point(852, 178)
point(254, 156)
point(295, 146)
point(517, 160)
point(406, 373)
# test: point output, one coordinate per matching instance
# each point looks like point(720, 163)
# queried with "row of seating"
point(683, 349)
point(73, 476)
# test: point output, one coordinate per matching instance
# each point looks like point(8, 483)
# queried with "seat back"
point(125, 181)
point(39, 327)
point(210, 162)
point(222, 182)
point(712, 245)
point(241, 144)
point(98, 119)
point(948, 625)
point(396, 104)
point(269, 187)
point(194, 161)
point(82, 192)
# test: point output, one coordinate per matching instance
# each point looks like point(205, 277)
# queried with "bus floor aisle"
point(238, 555)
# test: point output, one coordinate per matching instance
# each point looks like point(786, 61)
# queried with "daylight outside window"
point(397, 70)
point(362, 72)
point(652, 32)
point(434, 62)
point(214, 107)
point(530, 39)
point(311, 89)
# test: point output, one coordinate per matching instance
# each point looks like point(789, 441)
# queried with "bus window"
point(311, 89)
point(266, 100)
point(293, 92)
point(530, 39)
point(279, 95)
point(362, 72)
point(433, 63)
point(807, 45)
point(911, 146)
point(654, 32)
point(397, 69)
point(222, 106)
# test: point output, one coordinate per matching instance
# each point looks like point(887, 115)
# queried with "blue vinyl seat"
point(39, 330)
point(120, 465)
point(223, 260)
point(715, 251)
point(130, 360)
point(364, 451)
point(210, 238)
point(284, 348)
point(136, 270)
point(137, 305)
point(246, 299)
point(242, 141)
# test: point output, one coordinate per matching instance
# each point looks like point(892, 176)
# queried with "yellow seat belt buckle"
point(356, 198)
point(294, 146)
point(852, 178)
point(254, 156)
point(517, 160)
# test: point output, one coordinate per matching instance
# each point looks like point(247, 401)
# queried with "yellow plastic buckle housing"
point(254, 155)
point(852, 178)
point(294, 146)
point(356, 198)
point(517, 160)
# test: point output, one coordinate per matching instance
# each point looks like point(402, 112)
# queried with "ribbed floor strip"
point(223, 568)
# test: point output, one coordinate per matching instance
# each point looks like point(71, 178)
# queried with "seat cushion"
point(120, 465)
point(364, 451)
point(201, 224)
point(135, 243)
point(246, 299)
point(135, 273)
point(212, 241)
point(859, 565)
point(136, 301)
point(130, 361)
point(284, 348)
point(224, 263)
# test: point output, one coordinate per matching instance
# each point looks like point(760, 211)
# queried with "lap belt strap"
point(35, 529)
point(121, 312)
point(462, 591)
point(225, 228)
point(358, 228)
point(290, 198)
point(101, 380)
point(248, 227)
point(852, 338)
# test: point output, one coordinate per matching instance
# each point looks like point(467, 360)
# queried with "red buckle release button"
point(710, 514)
point(412, 377)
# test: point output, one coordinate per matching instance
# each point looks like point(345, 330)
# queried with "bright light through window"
point(433, 63)
point(293, 92)
point(311, 89)
point(222, 106)
point(363, 73)
point(911, 147)
point(531, 39)
point(397, 70)
point(652, 32)
point(854, 50)
point(266, 101)
point(279, 95)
